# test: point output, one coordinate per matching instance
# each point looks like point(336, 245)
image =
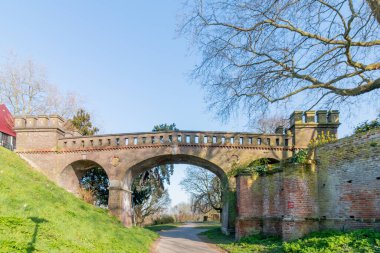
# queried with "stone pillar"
point(249, 205)
point(120, 202)
point(322, 117)
point(300, 193)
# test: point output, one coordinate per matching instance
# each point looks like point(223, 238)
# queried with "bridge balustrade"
point(176, 137)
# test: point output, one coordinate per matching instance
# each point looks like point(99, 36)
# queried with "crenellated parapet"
point(38, 132)
point(39, 122)
point(306, 125)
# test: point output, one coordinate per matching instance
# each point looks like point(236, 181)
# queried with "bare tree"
point(25, 89)
point(156, 204)
point(258, 53)
point(269, 125)
point(205, 189)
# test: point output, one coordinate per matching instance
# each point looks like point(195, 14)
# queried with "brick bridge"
point(63, 155)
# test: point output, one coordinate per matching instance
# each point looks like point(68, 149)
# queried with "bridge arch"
point(135, 170)
point(70, 176)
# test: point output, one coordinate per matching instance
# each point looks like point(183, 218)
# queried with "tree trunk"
point(375, 7)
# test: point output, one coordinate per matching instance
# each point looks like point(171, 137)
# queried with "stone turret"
point(309, 124)
point(38, 132)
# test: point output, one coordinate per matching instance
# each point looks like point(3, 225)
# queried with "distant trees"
point(25, 89)
point(269, 124)
point(205, 189)
point(261, 53)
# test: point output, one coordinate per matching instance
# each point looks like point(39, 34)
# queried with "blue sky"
point(126, 61)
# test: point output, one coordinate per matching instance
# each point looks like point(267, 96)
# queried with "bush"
point(366, 126)
point(300, 157)
point(164, 219)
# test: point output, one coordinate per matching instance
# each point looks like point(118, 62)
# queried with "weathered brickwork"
point(349, 182)
point(341, 191)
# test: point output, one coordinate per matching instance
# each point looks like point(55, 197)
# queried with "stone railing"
point(176, 137)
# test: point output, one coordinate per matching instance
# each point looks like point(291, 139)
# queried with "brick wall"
point(349, 182)
point(342, 191)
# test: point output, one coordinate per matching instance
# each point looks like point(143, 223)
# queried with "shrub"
point(87, 195)
point(322, 138)
point(259, 166)
point(300, 157)
point(366, 126)
point(164, 219)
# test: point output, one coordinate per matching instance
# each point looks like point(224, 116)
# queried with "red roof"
point(6, 121)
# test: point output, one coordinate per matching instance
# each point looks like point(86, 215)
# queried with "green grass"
point(209, 225)
point(38, 216)
point(318, 242)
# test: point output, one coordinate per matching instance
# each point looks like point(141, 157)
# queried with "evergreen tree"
point(82, 122)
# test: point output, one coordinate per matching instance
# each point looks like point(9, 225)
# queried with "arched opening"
point(87, 179)
point(137, 170)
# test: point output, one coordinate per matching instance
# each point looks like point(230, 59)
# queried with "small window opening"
point(196, 139)
point(143, 140)
point(250, 140)
point(223, 140)
point(187, 138)
point(232, 140)
point(135, 141)
point(179, 138)
point(286, 142)
point(205, 139)
point(277, 142)
point(241, 140)
point(214, 139)
point(126, 141)
point(117, 142)
point(259, 141)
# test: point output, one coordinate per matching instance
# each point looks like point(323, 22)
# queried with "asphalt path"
point(183, 239)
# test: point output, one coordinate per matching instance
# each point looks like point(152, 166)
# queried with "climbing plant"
point(259, 166)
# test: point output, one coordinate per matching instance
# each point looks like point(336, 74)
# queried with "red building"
point(7, 135)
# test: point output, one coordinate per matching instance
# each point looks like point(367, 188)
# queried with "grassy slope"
point(322, 242)
point(38, 216)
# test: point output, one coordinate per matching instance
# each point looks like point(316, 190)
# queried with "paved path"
point(183, 239)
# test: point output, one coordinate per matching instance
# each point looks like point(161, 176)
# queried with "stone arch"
point(132, 172)
point(72, 173)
